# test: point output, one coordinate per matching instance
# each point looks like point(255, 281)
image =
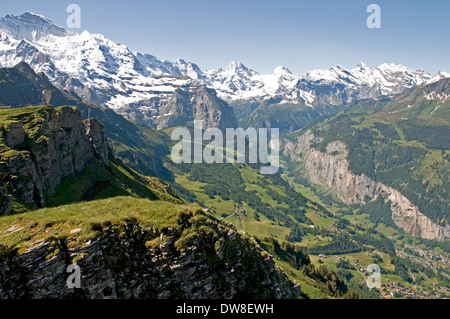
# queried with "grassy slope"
point(88, 218)
point(83, 222)
point(97, 182)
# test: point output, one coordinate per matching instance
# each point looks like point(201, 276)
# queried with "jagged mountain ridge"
point(140, 86)
point(103, 72)
point(335, 86)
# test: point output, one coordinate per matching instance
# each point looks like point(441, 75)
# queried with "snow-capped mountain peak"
point(320, 75)
point(334, 86)
point(392, 67)
point(362, 65)
point(108, 74)
point(236, 68)
point(443, 74)
point(188, 68)
point(31, 26)
point(281, 70)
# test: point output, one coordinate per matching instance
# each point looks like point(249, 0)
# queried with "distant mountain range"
point(143, 88)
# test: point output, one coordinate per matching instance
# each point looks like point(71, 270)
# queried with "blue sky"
point(300, 35)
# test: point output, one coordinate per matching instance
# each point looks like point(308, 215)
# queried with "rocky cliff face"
point(49, 145)
point(132, 261)
point(184, 106)
point(331, 169)
point(95, 133)
point(5, 202)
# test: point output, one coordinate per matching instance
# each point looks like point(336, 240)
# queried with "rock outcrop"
point(130, 261)
point(53, 144)
point(184, 106)
point(331, 169)
point(96, 135)
point(14, 134)
point(5, 202)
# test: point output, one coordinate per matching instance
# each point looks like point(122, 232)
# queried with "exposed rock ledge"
point(333, 172)
point(131, 261)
